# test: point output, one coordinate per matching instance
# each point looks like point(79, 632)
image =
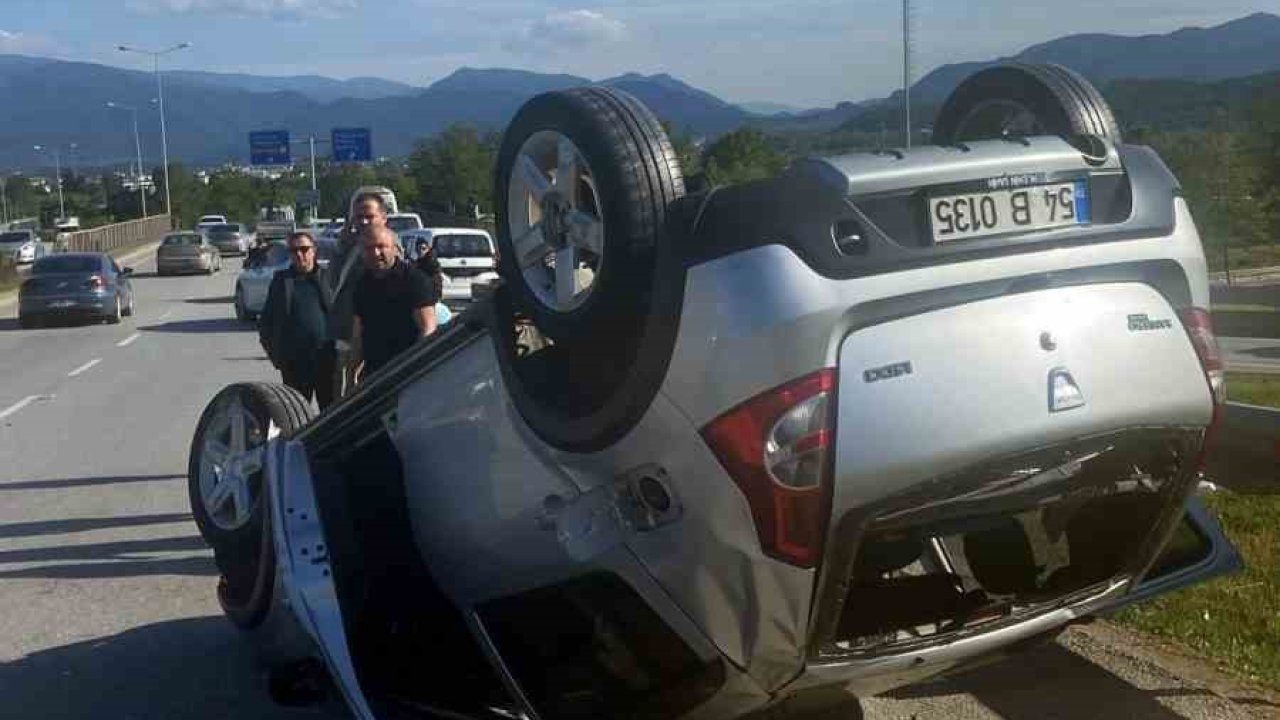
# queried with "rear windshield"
point(455, 246)
point(14, 237)
point(66, 264)
point(182, 240)
point(223, 229)
point(399, 224)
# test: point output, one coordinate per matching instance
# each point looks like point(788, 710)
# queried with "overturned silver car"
point(873, 420)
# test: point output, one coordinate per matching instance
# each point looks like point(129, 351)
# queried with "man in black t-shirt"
point(394, 302)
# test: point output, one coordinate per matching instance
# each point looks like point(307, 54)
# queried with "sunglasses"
point(302, 249)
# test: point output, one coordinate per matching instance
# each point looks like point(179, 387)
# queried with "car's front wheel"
point(225, 473)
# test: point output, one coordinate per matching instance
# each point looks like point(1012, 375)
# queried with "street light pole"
point(57, 165)
point(137, 146)
point(164, 140)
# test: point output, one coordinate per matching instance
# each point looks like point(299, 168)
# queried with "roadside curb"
point(10, 297)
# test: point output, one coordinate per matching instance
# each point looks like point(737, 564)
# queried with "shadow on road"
point(196, 668)
point(61, 483)
point(70, 525)
point(212, 325)
point(227, 300)
point(1050, 681)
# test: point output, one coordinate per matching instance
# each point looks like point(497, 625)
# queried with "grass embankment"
point(1233, 621)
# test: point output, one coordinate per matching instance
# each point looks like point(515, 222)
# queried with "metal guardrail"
point(118, 235)
point(1244, 453)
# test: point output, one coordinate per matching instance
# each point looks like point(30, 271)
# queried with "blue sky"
point(800, 52)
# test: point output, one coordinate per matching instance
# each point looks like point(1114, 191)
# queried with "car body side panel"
point(773, 319)
point(477, 480)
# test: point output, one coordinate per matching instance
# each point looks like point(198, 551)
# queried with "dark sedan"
point(75, 285)
point(230, 238)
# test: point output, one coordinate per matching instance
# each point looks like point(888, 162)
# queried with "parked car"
point(23, 246)
point(401, 221)
point(273, 230)
point(187, 252)
point(467, 256)
point(208, 221)
point(75, 286)
point(387, 194)
point(230, 238)
point(332, 229)
point(255, 277)
point(882, 416)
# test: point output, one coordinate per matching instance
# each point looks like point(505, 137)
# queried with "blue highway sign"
point(352, 145)
point(269, 147)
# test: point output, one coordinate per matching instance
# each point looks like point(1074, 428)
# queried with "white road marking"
point(84, 367)
point(128, 340)
point(21, 404)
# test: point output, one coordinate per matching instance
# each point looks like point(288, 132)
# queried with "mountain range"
point(209, 115)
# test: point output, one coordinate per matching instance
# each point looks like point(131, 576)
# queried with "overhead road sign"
point(269, 147)
point(352, 145)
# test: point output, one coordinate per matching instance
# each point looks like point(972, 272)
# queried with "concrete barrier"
point(119, 235)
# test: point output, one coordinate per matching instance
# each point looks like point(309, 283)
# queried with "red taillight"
point(776, 447)
point(96, 282)
point(1199, 325)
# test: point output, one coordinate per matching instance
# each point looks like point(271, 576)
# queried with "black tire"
point(242, 313)
point(113, 317)
point(245, 555)
point(128, 309)
point(27, 322)
point(637, 176)
point(1061, 101)
point(609, 355)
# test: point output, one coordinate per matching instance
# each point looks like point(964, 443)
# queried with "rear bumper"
point(183, 264)
point(225, 249)
point(88, 304)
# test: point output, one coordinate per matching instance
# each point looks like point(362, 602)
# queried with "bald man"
point(394, 301)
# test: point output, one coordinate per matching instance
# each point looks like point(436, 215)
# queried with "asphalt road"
point(107, 605)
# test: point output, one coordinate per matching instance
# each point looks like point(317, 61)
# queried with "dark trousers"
point(312, 379)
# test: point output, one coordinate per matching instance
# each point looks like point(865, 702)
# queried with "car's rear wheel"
point(1018, 99)
point(27, 321)
point(242, 312)
point(128, 309)
point(114, 316)
point(585, 179)
point(225, 487)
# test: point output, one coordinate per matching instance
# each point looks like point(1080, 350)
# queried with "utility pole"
point(137, 146)
point(164, 140)
point(906, 70)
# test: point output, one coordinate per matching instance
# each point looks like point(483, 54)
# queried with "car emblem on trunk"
point(1064, 393)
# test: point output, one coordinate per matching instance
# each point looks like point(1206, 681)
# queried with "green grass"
point(1234, 620)
point(1254, 389)
point(1243, 258)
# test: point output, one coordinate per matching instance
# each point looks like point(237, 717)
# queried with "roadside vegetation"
point(8, 274)
point(1233, 621)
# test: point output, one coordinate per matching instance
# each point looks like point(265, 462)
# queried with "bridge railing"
point(119, 235)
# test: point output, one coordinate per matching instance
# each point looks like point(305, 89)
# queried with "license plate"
point(973, 215)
